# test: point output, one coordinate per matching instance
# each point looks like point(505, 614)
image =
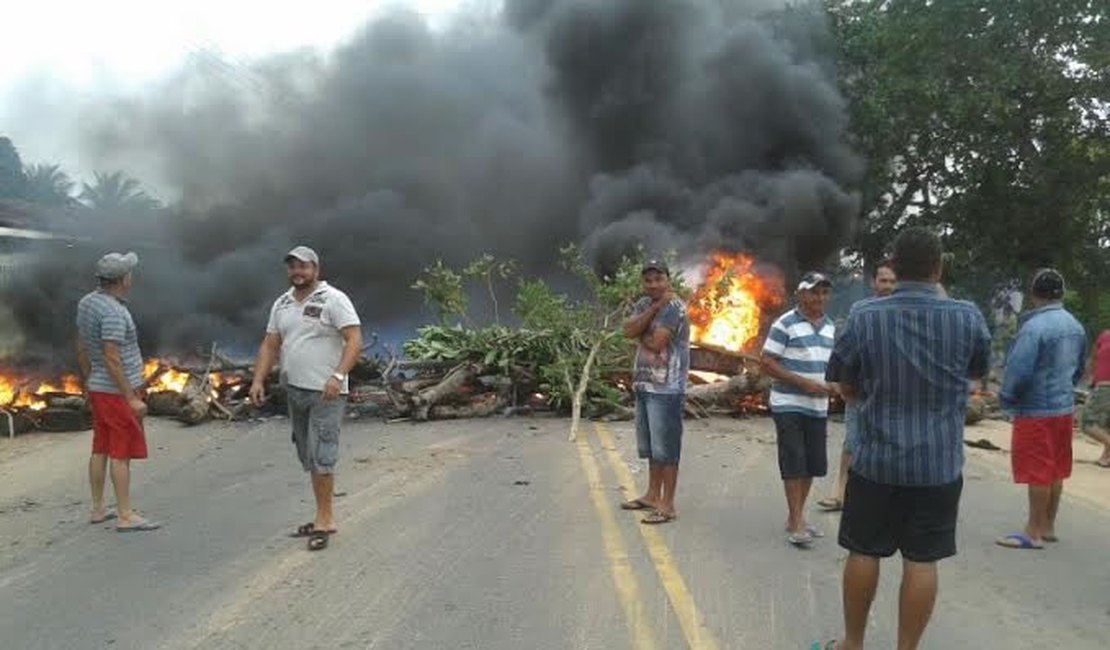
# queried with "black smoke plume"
point(673, 124)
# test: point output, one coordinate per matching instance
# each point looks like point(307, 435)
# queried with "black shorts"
point(801, 441)
point(919, 521)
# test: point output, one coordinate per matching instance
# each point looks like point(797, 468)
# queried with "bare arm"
point(114, 365)
point(83, 361)
point(352, 348)
point(268, 354)
point(635, 326)
point(771, 366)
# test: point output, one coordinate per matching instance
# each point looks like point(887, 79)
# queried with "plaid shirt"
point(910, 357)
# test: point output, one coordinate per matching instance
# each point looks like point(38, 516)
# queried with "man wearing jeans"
point(1044, 365)
point(661, 327)
point(795, 354)
point(316, 332)
point(905, 360)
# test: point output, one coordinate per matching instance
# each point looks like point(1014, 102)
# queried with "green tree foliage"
point(117, 192)
point(12, 181)
point(989, 119)
point(571, 343)
point(49, 185)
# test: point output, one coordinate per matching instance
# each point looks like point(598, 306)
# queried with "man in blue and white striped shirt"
point(795, 355)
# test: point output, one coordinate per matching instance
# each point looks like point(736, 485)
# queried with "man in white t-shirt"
point(316, 333)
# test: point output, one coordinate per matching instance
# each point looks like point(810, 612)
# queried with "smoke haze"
point(669, 124)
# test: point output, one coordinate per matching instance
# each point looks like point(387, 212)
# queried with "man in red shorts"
point(1096, 413)
point(1042, 369)
point(112, 365)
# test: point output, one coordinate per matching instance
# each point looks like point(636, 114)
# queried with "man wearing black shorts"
point(795, 354)
point(905, 361)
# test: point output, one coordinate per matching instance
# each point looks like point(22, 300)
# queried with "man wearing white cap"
point(112, 366)
point(316, 333)
point(795, 354)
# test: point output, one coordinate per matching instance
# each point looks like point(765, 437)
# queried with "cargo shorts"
point(315, 428)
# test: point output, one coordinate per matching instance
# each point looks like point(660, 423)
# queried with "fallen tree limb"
point(451, 384)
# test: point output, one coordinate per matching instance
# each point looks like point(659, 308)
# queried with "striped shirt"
point(802, 348)
point(102, 318)
point(910, 357)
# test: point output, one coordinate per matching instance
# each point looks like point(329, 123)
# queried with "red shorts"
point(1041, 449)
point(116, 430)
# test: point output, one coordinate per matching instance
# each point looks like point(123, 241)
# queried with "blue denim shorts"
point(659, 426)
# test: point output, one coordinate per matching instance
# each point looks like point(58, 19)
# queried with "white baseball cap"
point(304, 254)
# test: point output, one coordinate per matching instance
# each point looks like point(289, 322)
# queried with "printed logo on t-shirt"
point(313, 311)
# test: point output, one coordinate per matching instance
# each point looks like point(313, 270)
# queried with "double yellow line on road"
point(698, 637)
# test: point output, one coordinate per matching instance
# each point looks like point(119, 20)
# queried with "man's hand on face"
point(665, 298)
point(331, 389)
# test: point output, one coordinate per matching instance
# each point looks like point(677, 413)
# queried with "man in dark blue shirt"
point(905, 361)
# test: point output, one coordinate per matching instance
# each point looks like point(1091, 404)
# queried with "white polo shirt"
point(311, 345)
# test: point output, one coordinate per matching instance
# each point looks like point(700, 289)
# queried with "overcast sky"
point(54, 50)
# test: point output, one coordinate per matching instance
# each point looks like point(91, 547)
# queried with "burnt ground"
point(498, 534)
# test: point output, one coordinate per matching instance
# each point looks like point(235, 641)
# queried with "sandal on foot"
point(304, 530)
point(635, 504)
point(801, 540)
point(830, 504)
point(108, 516)
point(658, 517)
point(318, 540)
point(140, 526)
point(1018, 540)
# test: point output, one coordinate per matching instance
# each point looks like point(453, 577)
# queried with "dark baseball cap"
point(814, 279)
point(655, 265)
point(1048, 283)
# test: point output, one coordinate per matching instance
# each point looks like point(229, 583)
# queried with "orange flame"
point(30, 393)
point(727, 309)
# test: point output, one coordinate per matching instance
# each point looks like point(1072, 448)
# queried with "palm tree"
point(117, 192)
point(49, 185)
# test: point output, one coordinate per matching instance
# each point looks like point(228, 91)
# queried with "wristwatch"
point(340, 377)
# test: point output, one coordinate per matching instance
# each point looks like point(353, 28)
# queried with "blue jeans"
point(659, 426)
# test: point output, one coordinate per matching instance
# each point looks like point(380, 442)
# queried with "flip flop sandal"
point(834, 644)
point(318, 540)
point(1017, 540)
point(141, 527)
point(657, 517)
point(635, 504)
point(814, 531)
point(830, 505)
point(108, 516)
point(800, 540)
point(304, 530)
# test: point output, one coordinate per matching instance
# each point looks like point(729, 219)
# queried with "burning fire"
point(31, 393)
point(160, 377)
point(727, 308)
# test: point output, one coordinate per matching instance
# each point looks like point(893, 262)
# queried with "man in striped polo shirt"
point(795, 355)
point(906, 361)
point(112, 365)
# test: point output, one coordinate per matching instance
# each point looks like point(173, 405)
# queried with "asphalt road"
point(492, 534)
